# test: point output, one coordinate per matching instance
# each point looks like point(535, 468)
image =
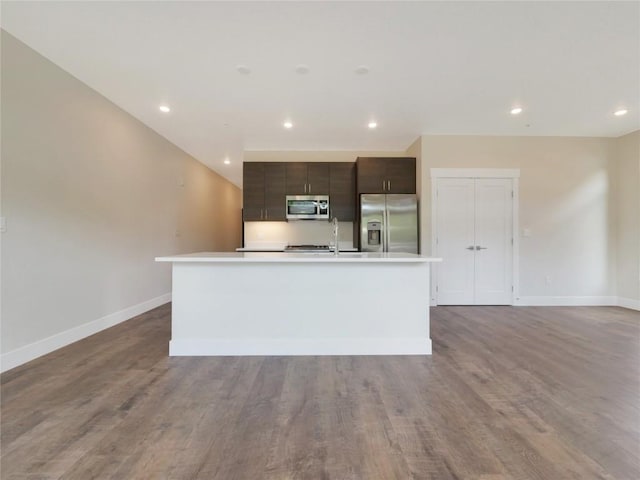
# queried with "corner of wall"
point(626, 159)
point(89, 206)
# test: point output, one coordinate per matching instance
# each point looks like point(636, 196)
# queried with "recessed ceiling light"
point(243, 69)
point(302, 69)
point(620, 112)
point(227, 161)
point(362, 70)
point(516, 110)
point(372, 125)
point(287, 125)
point(164, 108)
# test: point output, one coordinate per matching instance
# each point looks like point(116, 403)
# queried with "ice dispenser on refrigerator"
point(373, 233)
point(389, 223)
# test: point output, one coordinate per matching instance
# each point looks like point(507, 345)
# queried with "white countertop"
point(281, 257)
point(281, 247)
point(260, 250)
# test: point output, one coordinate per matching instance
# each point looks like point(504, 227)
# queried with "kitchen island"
point(300, 304)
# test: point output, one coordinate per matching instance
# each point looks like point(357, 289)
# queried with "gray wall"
point(628, 234)
point(567, 201)
point(91, 196)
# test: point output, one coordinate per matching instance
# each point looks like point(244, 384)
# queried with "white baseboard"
point(300, 346)
point(629, 303)
point(566, 301)
point(34, 350)
point(583, 301)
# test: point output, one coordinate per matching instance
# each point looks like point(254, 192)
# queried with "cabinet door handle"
point(261, 214)
point(384, 186)
point(471, 247)
point(478, 247)
point(309, 188)
point(305, 188)
point(266, 214)
point(388, 185)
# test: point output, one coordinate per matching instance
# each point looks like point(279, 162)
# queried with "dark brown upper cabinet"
point(342, 191)
point(252, 191)
point(263, 191)
point(307, 178)
point(386, 175)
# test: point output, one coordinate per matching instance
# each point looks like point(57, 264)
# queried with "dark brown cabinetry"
point(307, 178)
point(266, 185)
point(342, 191)
point(386, 175)
point(263, 191)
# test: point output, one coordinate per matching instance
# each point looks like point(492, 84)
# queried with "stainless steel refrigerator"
point(388, 223)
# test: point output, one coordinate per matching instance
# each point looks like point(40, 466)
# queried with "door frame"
point(511, 173)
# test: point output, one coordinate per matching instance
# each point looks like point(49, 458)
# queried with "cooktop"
point(307, 248)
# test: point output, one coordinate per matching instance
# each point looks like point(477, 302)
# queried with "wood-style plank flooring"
point(509, 393)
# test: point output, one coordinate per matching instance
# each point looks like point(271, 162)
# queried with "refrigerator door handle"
point(385, 226)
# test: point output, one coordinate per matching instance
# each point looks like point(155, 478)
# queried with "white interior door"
point(474, 227)
point(493, 254)
point(455, 241)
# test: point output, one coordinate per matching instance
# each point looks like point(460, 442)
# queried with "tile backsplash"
point(279, 234)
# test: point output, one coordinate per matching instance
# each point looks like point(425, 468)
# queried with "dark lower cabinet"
point(263, 191)
point(342, 191)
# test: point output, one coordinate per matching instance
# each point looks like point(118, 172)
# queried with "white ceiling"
point(435, 68)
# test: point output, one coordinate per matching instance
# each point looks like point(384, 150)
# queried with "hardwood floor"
point(509, 393)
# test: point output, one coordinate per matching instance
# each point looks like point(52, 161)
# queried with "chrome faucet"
point(334, 223)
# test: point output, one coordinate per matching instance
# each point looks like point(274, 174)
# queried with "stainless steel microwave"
point(307, 207)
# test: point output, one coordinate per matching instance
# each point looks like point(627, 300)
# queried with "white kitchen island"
point(300, 304)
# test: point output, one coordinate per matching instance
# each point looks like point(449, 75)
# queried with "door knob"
point(478, 247)
point(471, 247)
